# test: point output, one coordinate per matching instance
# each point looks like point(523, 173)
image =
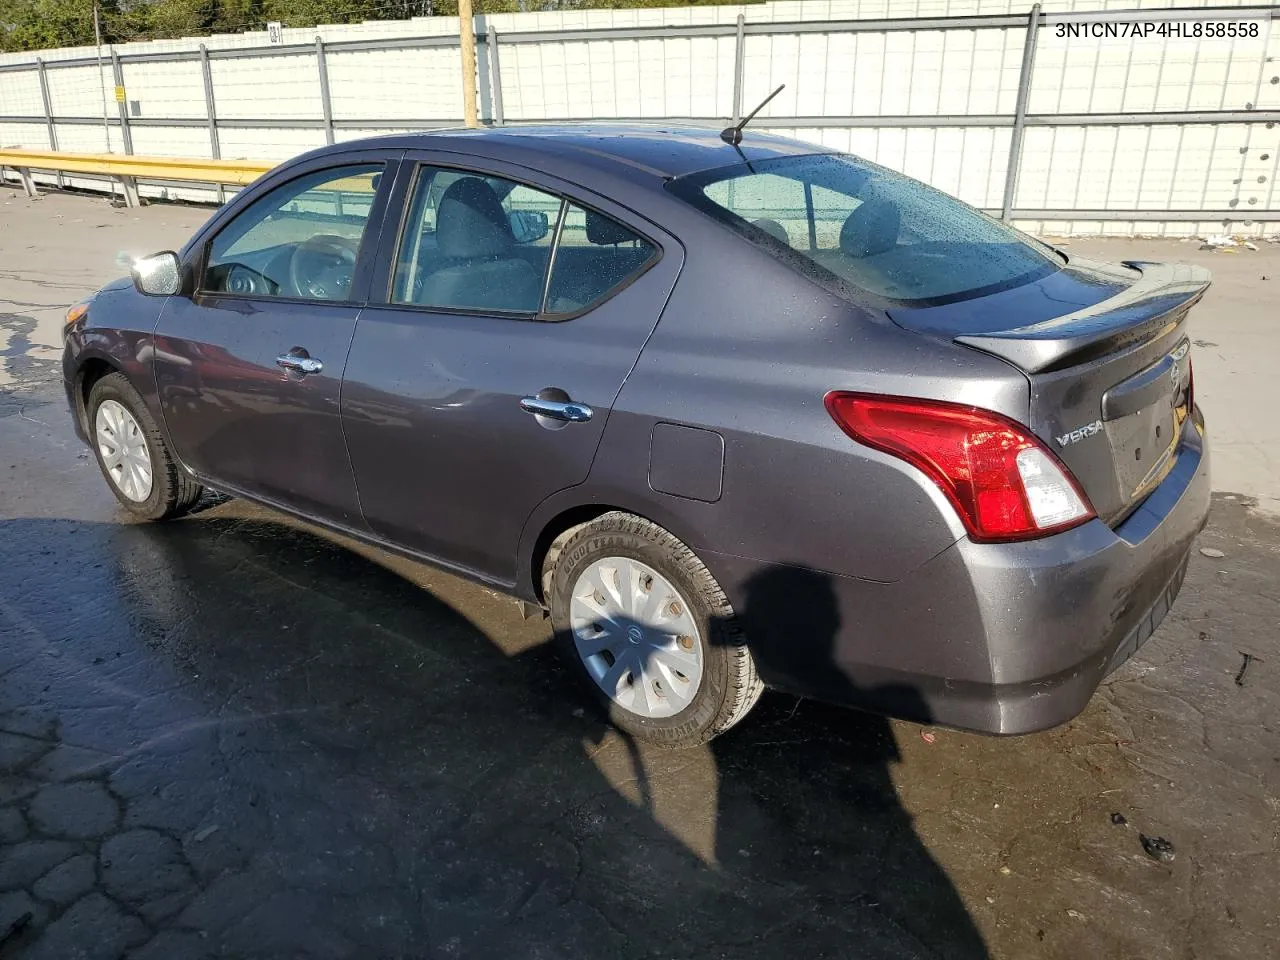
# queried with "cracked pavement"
point(234, 736)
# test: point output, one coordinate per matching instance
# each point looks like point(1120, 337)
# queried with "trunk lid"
point(1107, 355)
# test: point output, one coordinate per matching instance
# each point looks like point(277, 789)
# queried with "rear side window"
point(480, 243)
point(595, 256)
point(473, 242)
point(876, 230)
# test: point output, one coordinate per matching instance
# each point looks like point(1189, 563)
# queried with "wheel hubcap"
point(123, 448)
point(636, 637)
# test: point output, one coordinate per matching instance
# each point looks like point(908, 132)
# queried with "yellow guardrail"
point(231, 172)
point(129, 169)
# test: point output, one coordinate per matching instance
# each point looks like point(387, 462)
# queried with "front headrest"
point(470, 221)
point(871, 228)
point(600, 229)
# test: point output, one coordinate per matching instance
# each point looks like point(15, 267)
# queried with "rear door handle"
point(566, 410)
point(301, 364)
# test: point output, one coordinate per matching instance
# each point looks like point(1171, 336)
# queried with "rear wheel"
point(132, 454)
point(648, 631)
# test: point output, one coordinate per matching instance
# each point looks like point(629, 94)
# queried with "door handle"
point(300, 364)
point(566, 410)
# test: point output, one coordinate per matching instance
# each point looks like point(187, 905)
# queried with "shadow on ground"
point(231, 736)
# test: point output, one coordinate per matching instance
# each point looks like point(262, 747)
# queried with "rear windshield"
point(857, 223)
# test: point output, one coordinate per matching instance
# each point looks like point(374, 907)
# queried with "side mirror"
point(159, 275)
point(528, 225)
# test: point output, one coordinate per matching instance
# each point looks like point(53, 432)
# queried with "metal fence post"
point(739, 52)
point(118, 72)
point(215, 146)
point(325, 105)
point(1020, 113)
point(495, 73)
point(48, 110)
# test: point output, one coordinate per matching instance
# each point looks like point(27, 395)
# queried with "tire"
point(728, 686)
point(172, 491)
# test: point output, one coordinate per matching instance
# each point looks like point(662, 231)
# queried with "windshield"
point(849, 220)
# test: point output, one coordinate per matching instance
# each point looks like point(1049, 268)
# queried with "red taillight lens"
point(1004, 483)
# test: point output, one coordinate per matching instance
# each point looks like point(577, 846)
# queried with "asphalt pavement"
point(235, 736)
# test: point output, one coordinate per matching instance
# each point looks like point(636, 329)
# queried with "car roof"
point(651, 151)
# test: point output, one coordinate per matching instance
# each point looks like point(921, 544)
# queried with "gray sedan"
point(737, 414)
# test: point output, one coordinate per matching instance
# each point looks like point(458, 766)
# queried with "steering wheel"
point(246, 281)
point(322, 267)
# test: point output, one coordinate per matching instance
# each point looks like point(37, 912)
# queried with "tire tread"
point(178, 490)
point(744, 685)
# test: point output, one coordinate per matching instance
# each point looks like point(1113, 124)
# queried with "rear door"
point(511, 316)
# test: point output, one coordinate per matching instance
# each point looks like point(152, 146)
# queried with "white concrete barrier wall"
point(946, 74)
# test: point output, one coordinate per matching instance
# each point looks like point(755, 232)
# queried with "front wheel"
point(648, 631)
point(132, 453)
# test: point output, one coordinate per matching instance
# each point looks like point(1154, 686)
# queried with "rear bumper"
point(997, 638)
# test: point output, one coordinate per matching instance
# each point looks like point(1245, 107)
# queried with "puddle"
point(22, 360)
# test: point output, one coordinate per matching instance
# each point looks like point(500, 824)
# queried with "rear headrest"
point(871, 228)
point(470, 221)
point(600, 229)
point(773, 228)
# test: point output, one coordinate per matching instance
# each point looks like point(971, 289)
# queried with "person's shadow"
point(821, 777)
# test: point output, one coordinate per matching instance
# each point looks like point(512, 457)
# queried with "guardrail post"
point(739, 55)
point(325, 106)
point(48, 110)
point(215, 145)
point(130, 187)
point(121, 104)
point(28, 185)
point(495, 73)
point(1020, 112)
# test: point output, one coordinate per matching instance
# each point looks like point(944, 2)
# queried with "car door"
point(513, 314)
point(249, 368)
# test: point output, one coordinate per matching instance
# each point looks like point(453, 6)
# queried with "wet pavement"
point(235, 736)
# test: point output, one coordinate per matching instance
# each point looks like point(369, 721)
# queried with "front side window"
point(482, 243)
point(301, 239)
point(854, 222)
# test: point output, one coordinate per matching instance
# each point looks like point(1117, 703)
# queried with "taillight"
point(1004, 483)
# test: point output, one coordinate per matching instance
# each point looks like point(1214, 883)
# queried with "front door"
point(249, 369)
point(483, 385)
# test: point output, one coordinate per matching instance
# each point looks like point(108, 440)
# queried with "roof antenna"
point(733, 135)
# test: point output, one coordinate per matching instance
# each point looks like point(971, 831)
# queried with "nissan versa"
point(737, 410)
